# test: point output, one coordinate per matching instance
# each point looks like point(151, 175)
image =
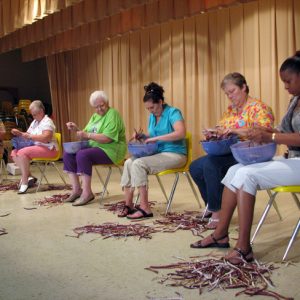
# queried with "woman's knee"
point(81, 157)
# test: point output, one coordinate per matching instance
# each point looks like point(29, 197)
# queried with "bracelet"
point(273, 137)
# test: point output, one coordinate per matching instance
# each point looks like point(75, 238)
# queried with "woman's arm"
point(97, 137)
point(45, 137)
point(178, 134)
point(263, 135)
point(245, 131)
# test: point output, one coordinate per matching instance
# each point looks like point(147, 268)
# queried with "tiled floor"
point(38, 260)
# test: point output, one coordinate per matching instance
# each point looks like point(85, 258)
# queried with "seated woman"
point(105, 132)
point(41, 132)
point(243, 112)
point(166, 126)
point(242, 182)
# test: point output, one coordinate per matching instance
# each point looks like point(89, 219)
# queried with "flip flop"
point(214, 244)
point(127, 210)
point(143, 216)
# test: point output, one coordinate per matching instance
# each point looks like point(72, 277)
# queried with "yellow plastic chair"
point(273, 193)
point(184, 170)
point(46, 161)
point(106, 181)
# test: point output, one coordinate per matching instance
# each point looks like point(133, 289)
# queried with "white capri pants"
point(135, 172)
point(262, 176)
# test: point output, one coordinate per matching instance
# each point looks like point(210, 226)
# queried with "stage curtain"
point(46, 27)
point(189, 57)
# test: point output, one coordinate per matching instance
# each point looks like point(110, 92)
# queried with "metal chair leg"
point(295, 232)
point(59, 172)
point(99, 176)
point(162, 187)
point(172, 192)
point(275, 206)
point(296, 199)
point(204, 213)
point(42, 170)
point(262, 219)
point(187, 175)
point(3, 170)
point(106, 182)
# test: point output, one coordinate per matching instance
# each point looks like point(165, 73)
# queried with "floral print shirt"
point(254, 113)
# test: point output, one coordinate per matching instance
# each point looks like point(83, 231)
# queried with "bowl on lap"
point(74, 147)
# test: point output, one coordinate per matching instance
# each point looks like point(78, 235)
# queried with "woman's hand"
point(260, 135)
point(26, 135)
point(82, 135)
point(72, 126)
point(16, 132)
point(152, 140)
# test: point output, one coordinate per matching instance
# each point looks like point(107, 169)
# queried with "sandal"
point(142, 216)
point(240, 256)
point(212, 224)
point(127, 210)
point(214, 244)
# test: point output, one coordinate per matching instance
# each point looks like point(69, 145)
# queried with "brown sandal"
point(127, 210)
point(240, 257)
point(214, 244)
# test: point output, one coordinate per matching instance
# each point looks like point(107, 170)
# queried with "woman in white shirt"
point(41, 133)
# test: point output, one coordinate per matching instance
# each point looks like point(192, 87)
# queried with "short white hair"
point(37, 105)
point(96, 95)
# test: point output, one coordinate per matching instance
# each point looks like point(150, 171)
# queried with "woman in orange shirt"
point(244, 112)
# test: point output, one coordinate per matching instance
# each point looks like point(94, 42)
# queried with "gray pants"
point(135, 173)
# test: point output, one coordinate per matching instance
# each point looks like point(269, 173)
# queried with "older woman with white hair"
point(105, 132)
point(41, 133)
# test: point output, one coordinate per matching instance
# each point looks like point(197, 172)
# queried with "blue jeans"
point(207, 172)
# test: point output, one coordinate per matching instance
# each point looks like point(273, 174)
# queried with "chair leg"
point(42, 170)
point(204, 213)
point(106, 182)
point(162, 187)
point(275, 206)
point(187, 175)
point(99, 176)
point(172, 192)
point(3, 170)
point(296, 200)
point(262, 219)
point(59, 172)
point(120, 170)
point(295, 232)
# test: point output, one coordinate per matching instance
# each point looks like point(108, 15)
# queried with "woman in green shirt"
point(105, 132)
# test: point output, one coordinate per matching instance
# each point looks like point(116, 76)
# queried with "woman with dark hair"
point(242, 182)
point(166, 127)
point(243, 113)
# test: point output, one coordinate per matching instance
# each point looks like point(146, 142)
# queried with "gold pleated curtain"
point(189, 58)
